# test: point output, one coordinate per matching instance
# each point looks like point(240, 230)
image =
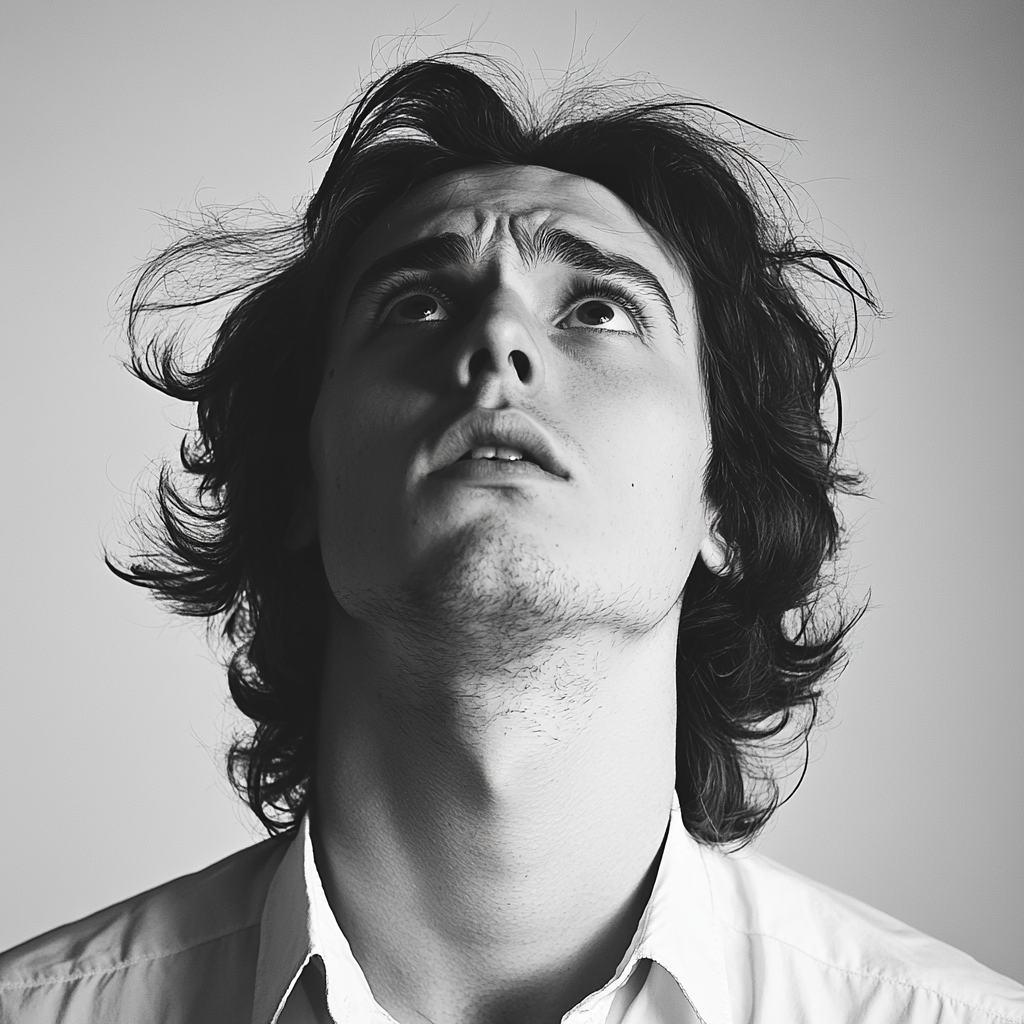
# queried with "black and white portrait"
point(511, 514)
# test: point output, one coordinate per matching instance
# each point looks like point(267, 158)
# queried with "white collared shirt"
point(724, 939)
point(647, 986)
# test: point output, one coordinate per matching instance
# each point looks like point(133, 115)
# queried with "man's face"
point(510, 416)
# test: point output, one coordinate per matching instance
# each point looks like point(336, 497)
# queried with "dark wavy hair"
point(755, 643)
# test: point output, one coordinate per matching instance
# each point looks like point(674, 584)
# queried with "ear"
point(715, 554)
point(302, 527)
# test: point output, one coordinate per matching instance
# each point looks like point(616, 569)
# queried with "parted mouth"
point(499, 435)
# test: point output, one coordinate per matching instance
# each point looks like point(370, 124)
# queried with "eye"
point(416, 308)
point(599, 314)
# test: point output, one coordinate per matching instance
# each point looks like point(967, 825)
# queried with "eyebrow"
point(440, 252)
point(561, 246)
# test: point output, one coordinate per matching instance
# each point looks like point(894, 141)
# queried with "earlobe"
point(302, 527)
point(715, 554)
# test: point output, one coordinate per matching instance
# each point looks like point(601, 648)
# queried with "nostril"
point(521, 364)
point(479, 361)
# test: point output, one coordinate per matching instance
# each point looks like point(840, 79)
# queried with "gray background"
point(113, 718)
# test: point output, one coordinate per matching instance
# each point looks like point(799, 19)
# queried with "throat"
point(485, 835)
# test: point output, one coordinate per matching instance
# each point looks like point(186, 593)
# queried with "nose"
point(499, 353)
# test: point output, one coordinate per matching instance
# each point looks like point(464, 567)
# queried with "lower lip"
point(494, 471)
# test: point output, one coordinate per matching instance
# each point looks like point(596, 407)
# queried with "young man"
point(515, 495)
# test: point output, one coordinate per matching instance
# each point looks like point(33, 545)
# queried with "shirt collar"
point(679, 928)
point(298, 924)
point(285, 942)
point(678, 931)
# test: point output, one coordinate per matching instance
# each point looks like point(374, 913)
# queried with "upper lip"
point(508, 428)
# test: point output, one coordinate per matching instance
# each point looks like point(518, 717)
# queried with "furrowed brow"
point(435, 253)
point(561, 246)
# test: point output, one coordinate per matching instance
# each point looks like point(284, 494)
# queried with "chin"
point(488, 586)
point(493, 580)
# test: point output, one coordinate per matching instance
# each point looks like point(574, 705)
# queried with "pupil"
point(595, 312)
point(417, 307)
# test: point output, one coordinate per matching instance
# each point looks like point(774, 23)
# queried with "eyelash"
point(392, 292)
point(580, 291)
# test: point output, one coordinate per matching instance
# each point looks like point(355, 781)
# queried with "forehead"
point(484, 204)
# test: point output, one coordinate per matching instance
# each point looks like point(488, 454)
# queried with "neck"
point(487, 831)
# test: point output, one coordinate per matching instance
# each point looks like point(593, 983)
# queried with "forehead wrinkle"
point(526, 231)
point(489, 234)
point(493, 230)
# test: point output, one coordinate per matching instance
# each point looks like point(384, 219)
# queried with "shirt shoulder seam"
point(122, 965)
point(993, 1015)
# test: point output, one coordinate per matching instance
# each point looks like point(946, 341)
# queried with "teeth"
point(490, 451)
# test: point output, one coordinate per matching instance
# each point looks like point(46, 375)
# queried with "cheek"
point(335, 442)
point(357, 425)
point(664, 469)
point(357, 444)
point(650, 444)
